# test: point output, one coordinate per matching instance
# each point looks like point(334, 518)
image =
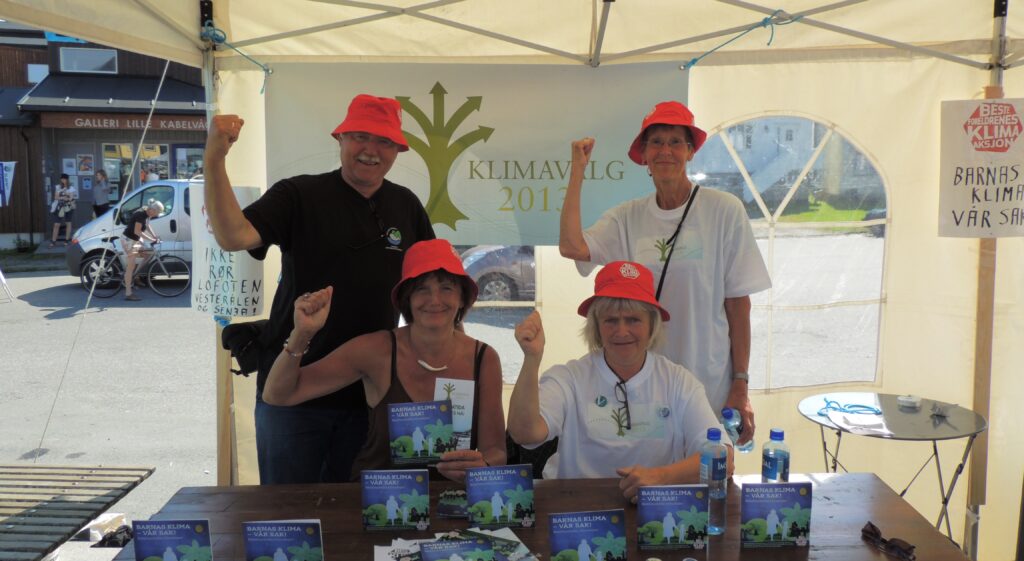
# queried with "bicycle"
point(167, 275)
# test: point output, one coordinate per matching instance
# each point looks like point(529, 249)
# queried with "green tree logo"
point(663, 247)
point(448, 389)
point(439, 152)
point(620, 420)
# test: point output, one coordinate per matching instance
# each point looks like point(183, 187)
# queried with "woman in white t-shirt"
point(63, 209)
point(699, 245)
point(621, 410)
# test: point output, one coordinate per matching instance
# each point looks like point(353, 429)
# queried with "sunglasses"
point(620, 395)
point(896, 547)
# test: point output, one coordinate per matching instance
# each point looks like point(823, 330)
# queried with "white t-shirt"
point(669, 414)
point(715, 258)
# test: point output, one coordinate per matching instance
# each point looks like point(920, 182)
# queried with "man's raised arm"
point(231, 229)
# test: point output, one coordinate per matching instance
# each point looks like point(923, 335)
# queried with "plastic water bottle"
point(775, 459)
point(733, 427)
point(713, 458)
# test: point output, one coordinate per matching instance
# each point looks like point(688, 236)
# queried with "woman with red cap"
point(699, 244)
point(621, 410)
point(405, 364)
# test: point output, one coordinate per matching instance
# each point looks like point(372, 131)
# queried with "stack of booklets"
point(501, 496)
point(397, 499)
point(171, 540)
point(282, 540)
point(597, 534)
point(775, 514)
point(672, 517)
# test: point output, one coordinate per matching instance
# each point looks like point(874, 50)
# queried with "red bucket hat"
point(428, 256)
point(624, 279)
point(666, 113)
point(381, 116)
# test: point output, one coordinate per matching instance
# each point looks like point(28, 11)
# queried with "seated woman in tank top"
point(405, 364)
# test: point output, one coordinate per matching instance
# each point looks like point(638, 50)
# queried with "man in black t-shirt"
point(348, 228)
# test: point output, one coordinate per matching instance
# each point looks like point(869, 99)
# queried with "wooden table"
point(842, 504)
point(42, 506)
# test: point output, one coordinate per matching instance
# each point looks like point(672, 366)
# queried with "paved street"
point(128, 383)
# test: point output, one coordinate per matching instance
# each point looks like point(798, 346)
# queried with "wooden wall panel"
point(28, 181)
point(14, 63)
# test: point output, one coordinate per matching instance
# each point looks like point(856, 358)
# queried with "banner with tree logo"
point(489, 145)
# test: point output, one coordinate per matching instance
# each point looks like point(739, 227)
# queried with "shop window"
point(818, 207)
point(154, 162)
point(91, 61)
point(188, 161)
point(117, 162)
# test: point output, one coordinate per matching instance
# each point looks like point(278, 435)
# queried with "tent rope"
point(768, 22)
point(217, 36)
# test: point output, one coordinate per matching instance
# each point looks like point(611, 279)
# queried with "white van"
point(173, 226)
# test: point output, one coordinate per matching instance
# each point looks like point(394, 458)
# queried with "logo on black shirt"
point(394, 237)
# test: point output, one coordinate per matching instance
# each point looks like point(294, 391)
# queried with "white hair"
point(156, 205)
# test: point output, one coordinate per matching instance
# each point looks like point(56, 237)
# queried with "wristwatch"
point(741, 376)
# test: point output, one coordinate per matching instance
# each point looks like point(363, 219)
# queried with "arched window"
point(818, 208)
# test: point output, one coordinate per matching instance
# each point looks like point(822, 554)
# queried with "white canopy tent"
point(879, 68)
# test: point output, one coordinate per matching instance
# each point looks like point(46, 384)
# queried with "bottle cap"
point(727, 413)
point(714, 435)
point(778, 434)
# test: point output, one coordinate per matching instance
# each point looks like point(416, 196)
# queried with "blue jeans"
point(300, 444)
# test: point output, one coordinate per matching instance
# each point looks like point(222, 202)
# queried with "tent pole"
point(984, 314)
point(226, 457)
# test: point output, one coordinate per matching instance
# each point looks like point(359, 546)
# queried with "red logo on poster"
point(993, 127)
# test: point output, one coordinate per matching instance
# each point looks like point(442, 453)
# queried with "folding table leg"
point(948, 493)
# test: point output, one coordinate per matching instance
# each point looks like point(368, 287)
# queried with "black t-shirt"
point(329, 234)
point(138, 217)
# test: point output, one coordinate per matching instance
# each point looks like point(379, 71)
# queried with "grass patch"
point(824, 212)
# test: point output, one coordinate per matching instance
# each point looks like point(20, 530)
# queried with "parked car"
point(173, 226)
point(503, 272)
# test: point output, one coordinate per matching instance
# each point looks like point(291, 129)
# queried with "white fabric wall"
point(927, 340)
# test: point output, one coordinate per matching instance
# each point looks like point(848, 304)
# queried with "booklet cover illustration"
point(172, 540)
point(282, 540)
point(397, 499)
point(460, 393)
point(477, 549)
point(775, 514)
point(451, 503)
point(598, 535)
point(500, 496)
point(503, 547)
point(420, 432)
point(672, 517)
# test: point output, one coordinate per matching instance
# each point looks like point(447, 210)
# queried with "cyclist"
point(136, 230)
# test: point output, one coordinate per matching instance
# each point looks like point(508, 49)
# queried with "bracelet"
point(294, 355)
point(741, 376)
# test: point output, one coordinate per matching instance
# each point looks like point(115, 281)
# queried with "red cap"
point(428, 256)
point(381, 116)
point(666, 113)
point(624, 279)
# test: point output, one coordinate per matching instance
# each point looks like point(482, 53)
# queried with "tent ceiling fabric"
point(525, 31)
